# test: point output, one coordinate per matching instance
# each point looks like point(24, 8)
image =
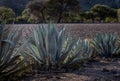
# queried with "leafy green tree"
point(54, 10)
point(57, 8)
point(28, 17)
point(38, 9)
point(25, 14)
point(103, 11)
point(7, 14)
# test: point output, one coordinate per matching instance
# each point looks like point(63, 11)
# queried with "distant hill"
point(19, 5)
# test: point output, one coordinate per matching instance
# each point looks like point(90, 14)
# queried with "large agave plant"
point(53, 50)
point(11, 60)
point(105, 44)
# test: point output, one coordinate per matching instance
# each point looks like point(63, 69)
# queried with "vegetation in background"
point(63, 11)
point(110, 20)
point(19, 5)
point(7, 14)
point(55, 13)
point(53, 10)
point(118, 13)
point(99, 13)
point(103, 11)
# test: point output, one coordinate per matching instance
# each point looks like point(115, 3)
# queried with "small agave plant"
point(54, 50)
point(105, 44)
point(11, 61)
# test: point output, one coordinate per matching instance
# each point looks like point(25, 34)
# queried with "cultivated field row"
point(76, 30)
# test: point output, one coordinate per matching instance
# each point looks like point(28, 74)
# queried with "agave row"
point(51, 49)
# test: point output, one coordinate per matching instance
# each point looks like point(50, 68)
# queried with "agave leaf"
point(105, 44)
point(53, 49)
point(9, 56)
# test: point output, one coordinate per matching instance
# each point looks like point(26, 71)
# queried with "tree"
point(7, 14)
point(54, 10)
point(28, 17)
point(103, 11)
point(57, 8)
point(37, 8)
point(89, 15)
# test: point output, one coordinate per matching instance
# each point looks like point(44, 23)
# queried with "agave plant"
point(105, 44)
point(11, 60)
point(118, 47)
point(53, 49)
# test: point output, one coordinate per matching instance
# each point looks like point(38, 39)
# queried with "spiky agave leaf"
point(80, 52)
point(11, 60)
point(117, 47)
point(104, 44)
point(51, 48)
point(46, 44)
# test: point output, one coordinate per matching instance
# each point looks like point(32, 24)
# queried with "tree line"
point(60, 11)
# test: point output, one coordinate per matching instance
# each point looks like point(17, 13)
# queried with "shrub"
point(20, 19)
point(110, 20)
point(7, 14)
point(102, 11)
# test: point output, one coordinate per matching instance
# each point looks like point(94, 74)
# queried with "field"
point(104, 70)
point(78, 30)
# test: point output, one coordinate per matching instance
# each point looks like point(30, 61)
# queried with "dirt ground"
point(104, 70)
point(76, 30)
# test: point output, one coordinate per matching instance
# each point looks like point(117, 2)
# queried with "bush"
point(20, 19)
point(110, 20)
point(7, 14)
point(102, 11)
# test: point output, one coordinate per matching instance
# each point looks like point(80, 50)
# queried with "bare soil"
point(104, 70)
point(76, 30)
